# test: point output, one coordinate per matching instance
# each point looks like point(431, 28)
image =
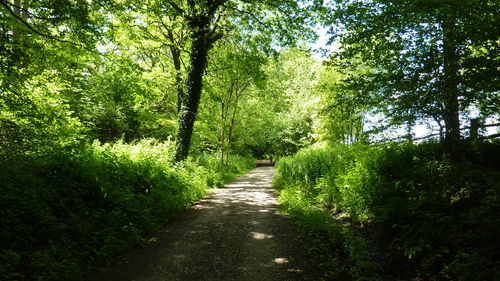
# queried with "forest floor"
point(235, 233)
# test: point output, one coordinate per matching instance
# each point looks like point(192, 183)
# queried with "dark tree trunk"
point(233, 118)
point(222, 130)
point(17, 11)
point(176, 57)
point(450, 83)
point(203, 37)
point(194, 84)
point(475, 124)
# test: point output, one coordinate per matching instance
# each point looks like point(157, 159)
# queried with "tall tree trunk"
point(409, 131)
point(450, 83)
point(176, 57)
point(203, 37)
point(194, 84)
point(20, 9)
point(222, 143)
point(17, 11)
point(440, 126)
point(233, 117)
point(225, 104)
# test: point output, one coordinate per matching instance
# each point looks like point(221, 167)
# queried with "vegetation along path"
point(233, 234)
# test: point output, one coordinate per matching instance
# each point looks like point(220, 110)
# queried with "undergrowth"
point(435, 218)
point(69, 211)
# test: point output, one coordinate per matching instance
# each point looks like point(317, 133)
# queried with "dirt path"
point(233, 234)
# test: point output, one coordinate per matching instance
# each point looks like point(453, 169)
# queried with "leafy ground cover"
point(69, 211)
point(430, 217)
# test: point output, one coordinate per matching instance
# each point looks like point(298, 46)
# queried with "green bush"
point(220, 172)
point(65, 213)
point(439, 213)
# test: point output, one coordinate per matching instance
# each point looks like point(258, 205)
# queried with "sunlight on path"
point(235, 233)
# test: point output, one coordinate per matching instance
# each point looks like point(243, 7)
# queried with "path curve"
point(235, 233)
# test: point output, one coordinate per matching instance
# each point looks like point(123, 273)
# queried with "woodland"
point(116, 115)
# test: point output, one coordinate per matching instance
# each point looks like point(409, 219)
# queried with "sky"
point(321, 43)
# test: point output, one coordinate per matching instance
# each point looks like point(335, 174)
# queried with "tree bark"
point(203, 37)
point(222, 130)
point(475, 124)
point(450, 82)
point(15, 30)
point(233, 118)
point(194, 84)
point(225, 104)
point(176, 58)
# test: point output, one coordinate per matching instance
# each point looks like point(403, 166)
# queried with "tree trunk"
point(475, 124)
point(15, 30)
point(222, 131)
point(409, 131)
point(440, 126)
point(176, 57)
point(194, 84)
point(233, 117)
point(450, 83)
point(203, 37)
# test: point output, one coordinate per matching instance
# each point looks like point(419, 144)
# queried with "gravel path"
point(235, 233)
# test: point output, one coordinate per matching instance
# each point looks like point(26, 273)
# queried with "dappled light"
point(249, 140)
point(260, 236)
point(280, 260)
point(236, 230)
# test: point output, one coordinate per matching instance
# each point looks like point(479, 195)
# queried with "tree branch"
point(30, 27)
point(252, 15)
point(25, 11)
point(215, 5)
point(179, 10)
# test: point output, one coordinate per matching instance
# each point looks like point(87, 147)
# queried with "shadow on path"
point(235, 233)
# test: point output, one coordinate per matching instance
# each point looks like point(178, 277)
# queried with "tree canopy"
point(116, 115)
point(421, 59)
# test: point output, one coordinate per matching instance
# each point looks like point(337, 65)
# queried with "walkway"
point(235, 233)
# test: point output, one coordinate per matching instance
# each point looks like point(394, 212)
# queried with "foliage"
point(290, 98)
point(439, 213)
point(207, 22)
point(343, 254)
point(69, 211)
point(427, 60)
point(91, 93)
point(223, 172)
point(340, 118)
point(256, 103)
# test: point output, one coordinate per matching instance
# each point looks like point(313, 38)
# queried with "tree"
point(44, 51)
point(341, 110)
point(233, 72)
point(208, 20)
point(160, 38)
point(200, 17)
point(293, 76)
point(428, 59)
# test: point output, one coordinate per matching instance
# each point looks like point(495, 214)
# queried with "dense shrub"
point(222, 172)
point(63, 214)
point(440, 213)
